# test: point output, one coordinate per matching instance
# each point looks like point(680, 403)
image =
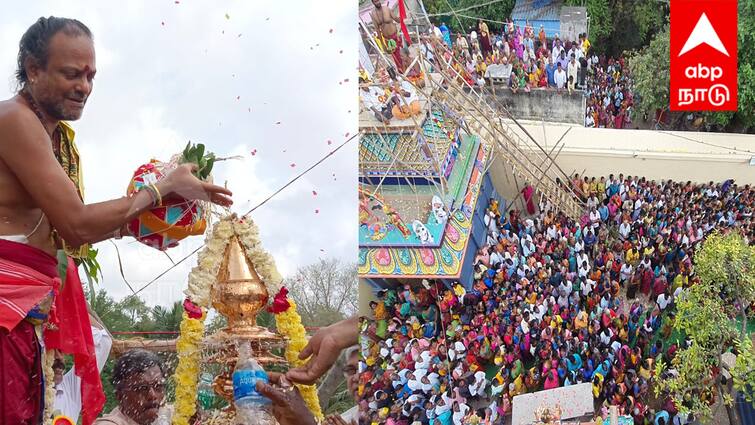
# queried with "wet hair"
point(133, 362)
point(35, 42)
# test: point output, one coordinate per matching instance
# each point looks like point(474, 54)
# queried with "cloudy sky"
point(239, 76)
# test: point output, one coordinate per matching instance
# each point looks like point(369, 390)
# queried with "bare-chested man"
point(41, 206)
point(385, 21)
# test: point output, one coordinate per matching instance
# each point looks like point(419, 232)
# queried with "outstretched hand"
point(324, 348)
point(182, 182)
point(288, 405)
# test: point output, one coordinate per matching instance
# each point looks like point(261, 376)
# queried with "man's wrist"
point(165, 187)
point(347, 332)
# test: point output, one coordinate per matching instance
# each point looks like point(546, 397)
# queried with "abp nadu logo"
point(703, 55)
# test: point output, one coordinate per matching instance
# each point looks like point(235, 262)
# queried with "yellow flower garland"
point(289, 325)
point(187, 371)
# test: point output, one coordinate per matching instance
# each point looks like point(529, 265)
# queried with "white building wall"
point(695, 156)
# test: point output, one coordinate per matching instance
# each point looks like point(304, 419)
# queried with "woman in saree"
point(551, 379)
point(528, 193)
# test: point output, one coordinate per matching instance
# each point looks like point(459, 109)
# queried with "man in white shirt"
point(551, 233)
point(351, 416)
point(68, 386)
point(571, 69)
point(594, 217)
point(624, 230)
point(589, 121)
point(560, 77)
point(460, 411)
point(586, 286)
point(557, 49)
point(605, 336)
point(528, 248)
point(495, 258)
point(583, 259)
point(626, 272)
point(369, 96)
point(579, 245)
point(663, 301)
point(584, 270)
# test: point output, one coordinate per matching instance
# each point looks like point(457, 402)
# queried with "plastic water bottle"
point(205, 392)
point(252, 408)
point(164, 416)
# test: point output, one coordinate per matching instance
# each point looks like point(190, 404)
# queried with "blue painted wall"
point(479, 233)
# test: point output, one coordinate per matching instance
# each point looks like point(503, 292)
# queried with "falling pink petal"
point(346, 80)
point(347, 134)
point(162, 23)
point(293, 165)
point(331, 30)
point(177, 2)
point(317, 211)
point(254, 152)
point(238, 97)
point(330, 142)
point(314, 193)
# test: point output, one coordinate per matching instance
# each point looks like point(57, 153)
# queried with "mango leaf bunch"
point(196, 154)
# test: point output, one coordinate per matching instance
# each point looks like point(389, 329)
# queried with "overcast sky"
point(237, 76)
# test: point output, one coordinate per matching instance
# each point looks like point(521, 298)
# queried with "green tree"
point(651, 77)
point(622, 25)
point(726, 266)
point(705, 312)
point(496, 12)
point(110, 312)
point(600, 26)
point(325, 292)
point(167, 319)
point(135, 307)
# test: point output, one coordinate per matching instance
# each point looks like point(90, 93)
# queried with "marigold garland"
point(187, 371)
point(289, 325)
